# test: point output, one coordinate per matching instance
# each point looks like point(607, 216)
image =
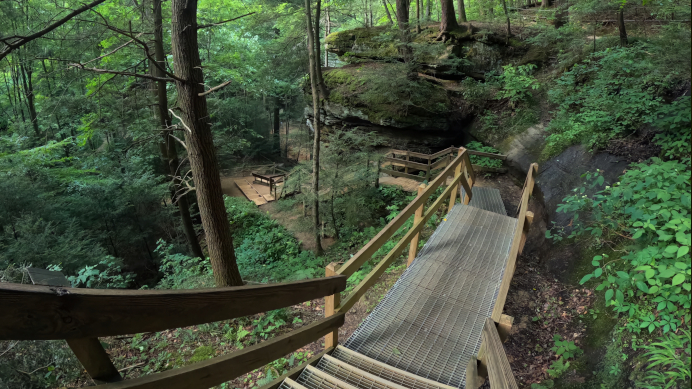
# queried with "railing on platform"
point(431, 162)
point(80, 316)
point(460, 168)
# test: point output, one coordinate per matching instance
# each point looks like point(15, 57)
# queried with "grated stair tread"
point(430, 322)
point(486, 198)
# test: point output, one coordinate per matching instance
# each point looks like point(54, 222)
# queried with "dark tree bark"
point(314, 69)
point(621, 27)
point(168, 148)
point(428, 9)
point(509, 29)
point(389, 15)
point(26, 73)
point(546, 3)
point(402, 14)
point(418, 16)
point(200, 145)
point(448, 21)
point(462, 11)
point(316, 45)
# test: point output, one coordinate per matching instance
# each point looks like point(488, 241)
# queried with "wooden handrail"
point(381, 238)
point(523, 221)
point(33, 312)
point(394, 253)
point(489, 155)
point(499, 371)
point(417, 165)
point(215, 371)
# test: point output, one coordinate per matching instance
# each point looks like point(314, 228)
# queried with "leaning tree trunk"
point(169, 151)
point(389, 15)
point(314, 68)
point(30, 98)
point(448, 21)
point(621, 27)
point(200, 145)
point(462, 11)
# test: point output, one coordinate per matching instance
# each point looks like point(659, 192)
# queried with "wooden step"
point(375, 368)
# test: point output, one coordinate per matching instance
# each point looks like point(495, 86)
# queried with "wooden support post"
point(427, 174)
point(406, 164)
point(504, 327)
point(473, 381)
point(413, 249)
point(453, 195)
point(331, 303)
point(525, 231)
point(95, 360)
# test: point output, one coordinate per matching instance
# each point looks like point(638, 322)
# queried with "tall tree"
point(621, 27)
point(314, 70)
point(316, 45)
point(168, 148)
point(389, 15)
point(504, 7)
point(462, 11)
point(192, 103)
point(402, 14)
point(448, 21)
point(418, 16)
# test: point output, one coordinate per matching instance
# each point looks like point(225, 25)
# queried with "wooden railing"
point(460, 168)
point(31, 312)
point(446, 156)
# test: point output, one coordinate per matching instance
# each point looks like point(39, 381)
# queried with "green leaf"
point(681, 265)
point(598, 272)
point(585, 278)
point(678, 279)
point(638, 234)
point(671, 249)
point(619, 296)
point(642, 286)
point(653, 289)
point(683, 250)
point(609, 294)
point(650, 273)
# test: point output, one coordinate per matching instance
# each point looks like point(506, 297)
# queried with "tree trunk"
point(418, 16)
point(29, 94)
point(509, 29)
point(462, 11)
point(389, 15)
point(402, 14)
point(200, 144)
point(327, 31)
point(621, 27)
point(316, 46)
point(169, 151)
point(448, 21)
point(546, 3)
point(428, 9)
point(314, 68)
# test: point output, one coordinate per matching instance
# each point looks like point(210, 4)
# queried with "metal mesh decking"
point(430, 322)
point(486, 198)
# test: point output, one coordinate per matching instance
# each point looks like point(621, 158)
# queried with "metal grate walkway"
point(428, 326)
point(486, 198)
point(430, 322)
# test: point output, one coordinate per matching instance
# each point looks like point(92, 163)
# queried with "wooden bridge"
point(440, 326)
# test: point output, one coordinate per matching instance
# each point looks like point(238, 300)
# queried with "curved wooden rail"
point(42, 313)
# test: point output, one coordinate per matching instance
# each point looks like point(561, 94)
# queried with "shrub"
point(484, 161)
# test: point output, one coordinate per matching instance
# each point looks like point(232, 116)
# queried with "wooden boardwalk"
point(257, 193)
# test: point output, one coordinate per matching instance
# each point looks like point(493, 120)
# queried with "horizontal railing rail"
point(81, 316)
point(499, 371)
point(463, 175)
point(445, 158)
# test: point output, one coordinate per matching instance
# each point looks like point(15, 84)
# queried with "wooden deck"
point(257, 193)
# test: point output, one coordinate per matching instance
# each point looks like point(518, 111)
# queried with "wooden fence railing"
point(430, 164)
point(460, 168)
point(82, 315)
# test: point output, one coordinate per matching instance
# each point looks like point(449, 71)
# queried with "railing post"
point(427, 173)
point(527, 224)
point(406, 164)
point(331, 303)
point(95, 360)
point(453, 195)
point(413, 249)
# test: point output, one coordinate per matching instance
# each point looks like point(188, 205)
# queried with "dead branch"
point(113, 51)
point(225, 21)
point(214, 89)
point(181, 121)
point(19, 41)
point(106, 71)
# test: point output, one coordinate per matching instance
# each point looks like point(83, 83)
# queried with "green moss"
point(201, 353)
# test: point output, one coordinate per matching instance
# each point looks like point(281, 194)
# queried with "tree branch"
point(214, 89)
point(22, 40)
point(225, 21)
point(106, 71)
